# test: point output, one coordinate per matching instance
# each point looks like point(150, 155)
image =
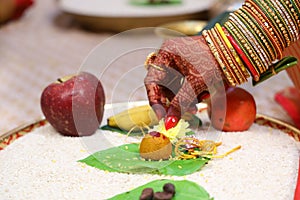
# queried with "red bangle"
point(243, 56)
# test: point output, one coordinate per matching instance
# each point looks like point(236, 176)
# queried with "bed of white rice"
point(43, 165)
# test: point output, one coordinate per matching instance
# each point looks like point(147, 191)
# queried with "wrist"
point(253, 38)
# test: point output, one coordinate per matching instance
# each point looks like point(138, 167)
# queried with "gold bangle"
point(217, 57)
point(241, 41)
point(241, 51)
point(147, 63)
point(285, 18)
point(259, 34)
point(233, 52)
point(290, 19)
point(231, 79)
point(247, 46)
point(252, 41)
point(293, 7)
point(276, 38)
point(156, 67)
point(270, 15)
point(264, 31)
point(150, 56)
point(279, 22)
point(227, 59)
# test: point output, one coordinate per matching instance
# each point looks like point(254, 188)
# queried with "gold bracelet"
point(241, 51)
point(232, 78)
point(252, 41)
point(217, 57)
point(258, 33)
point(264, 31)
point(279, 21)
point(285, 18)
point(290, 18)
point(270, 15)
point(241, 40)
point(241, 67)
point(229, 60)
point(252, 53)
point(293, 7)
point(274, 36)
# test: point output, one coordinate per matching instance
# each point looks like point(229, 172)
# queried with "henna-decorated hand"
point(180, 75)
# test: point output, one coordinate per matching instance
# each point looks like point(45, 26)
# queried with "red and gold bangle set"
point(254, 37)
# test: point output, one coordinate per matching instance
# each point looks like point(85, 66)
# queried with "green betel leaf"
point(184, 190)
point(118, 130)
point(126, 159)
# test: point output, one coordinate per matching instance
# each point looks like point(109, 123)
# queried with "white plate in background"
point(120, 15)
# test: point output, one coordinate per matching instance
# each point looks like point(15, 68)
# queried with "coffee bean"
point(147, 194)
point(162, 196)
point(169, 188)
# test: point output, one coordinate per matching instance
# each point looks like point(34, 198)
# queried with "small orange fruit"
point(234, 111)
point(155, 146)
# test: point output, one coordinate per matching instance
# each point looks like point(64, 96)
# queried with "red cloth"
point(20, 7)
point(289, 99)
point(294, 71)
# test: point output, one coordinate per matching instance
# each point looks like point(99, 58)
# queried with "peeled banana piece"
point(134, 119)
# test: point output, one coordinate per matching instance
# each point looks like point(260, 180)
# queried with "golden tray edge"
point(261, 119)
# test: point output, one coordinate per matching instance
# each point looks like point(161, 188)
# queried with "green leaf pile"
point(184, 190)
point(126, 159)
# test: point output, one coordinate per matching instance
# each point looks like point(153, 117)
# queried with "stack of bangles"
point(253, 38)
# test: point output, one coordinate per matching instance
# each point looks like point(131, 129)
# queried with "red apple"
point(74, 105)
point(234, 110)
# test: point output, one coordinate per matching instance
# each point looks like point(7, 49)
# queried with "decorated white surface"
point(38, 166)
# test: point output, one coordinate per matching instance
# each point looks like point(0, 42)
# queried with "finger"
point(162, 82)
point(187, 96)
point(159, 110)
point(160, 90)
point(192, 109)
point(156, 99)
point(195, 61)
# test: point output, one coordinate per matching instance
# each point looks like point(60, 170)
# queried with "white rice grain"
point(43, 165)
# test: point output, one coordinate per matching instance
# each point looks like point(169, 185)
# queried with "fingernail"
point(171, 122)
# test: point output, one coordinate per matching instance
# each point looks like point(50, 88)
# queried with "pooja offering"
point(155, 146)
point(74, 105)
point(143, 117)
point(199, 168)
point(153, 150)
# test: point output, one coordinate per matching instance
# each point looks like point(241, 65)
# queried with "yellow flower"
point(174, 133)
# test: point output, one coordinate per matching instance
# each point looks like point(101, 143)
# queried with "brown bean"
point(169, 188)
point(162, 196)
point(147, 194)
